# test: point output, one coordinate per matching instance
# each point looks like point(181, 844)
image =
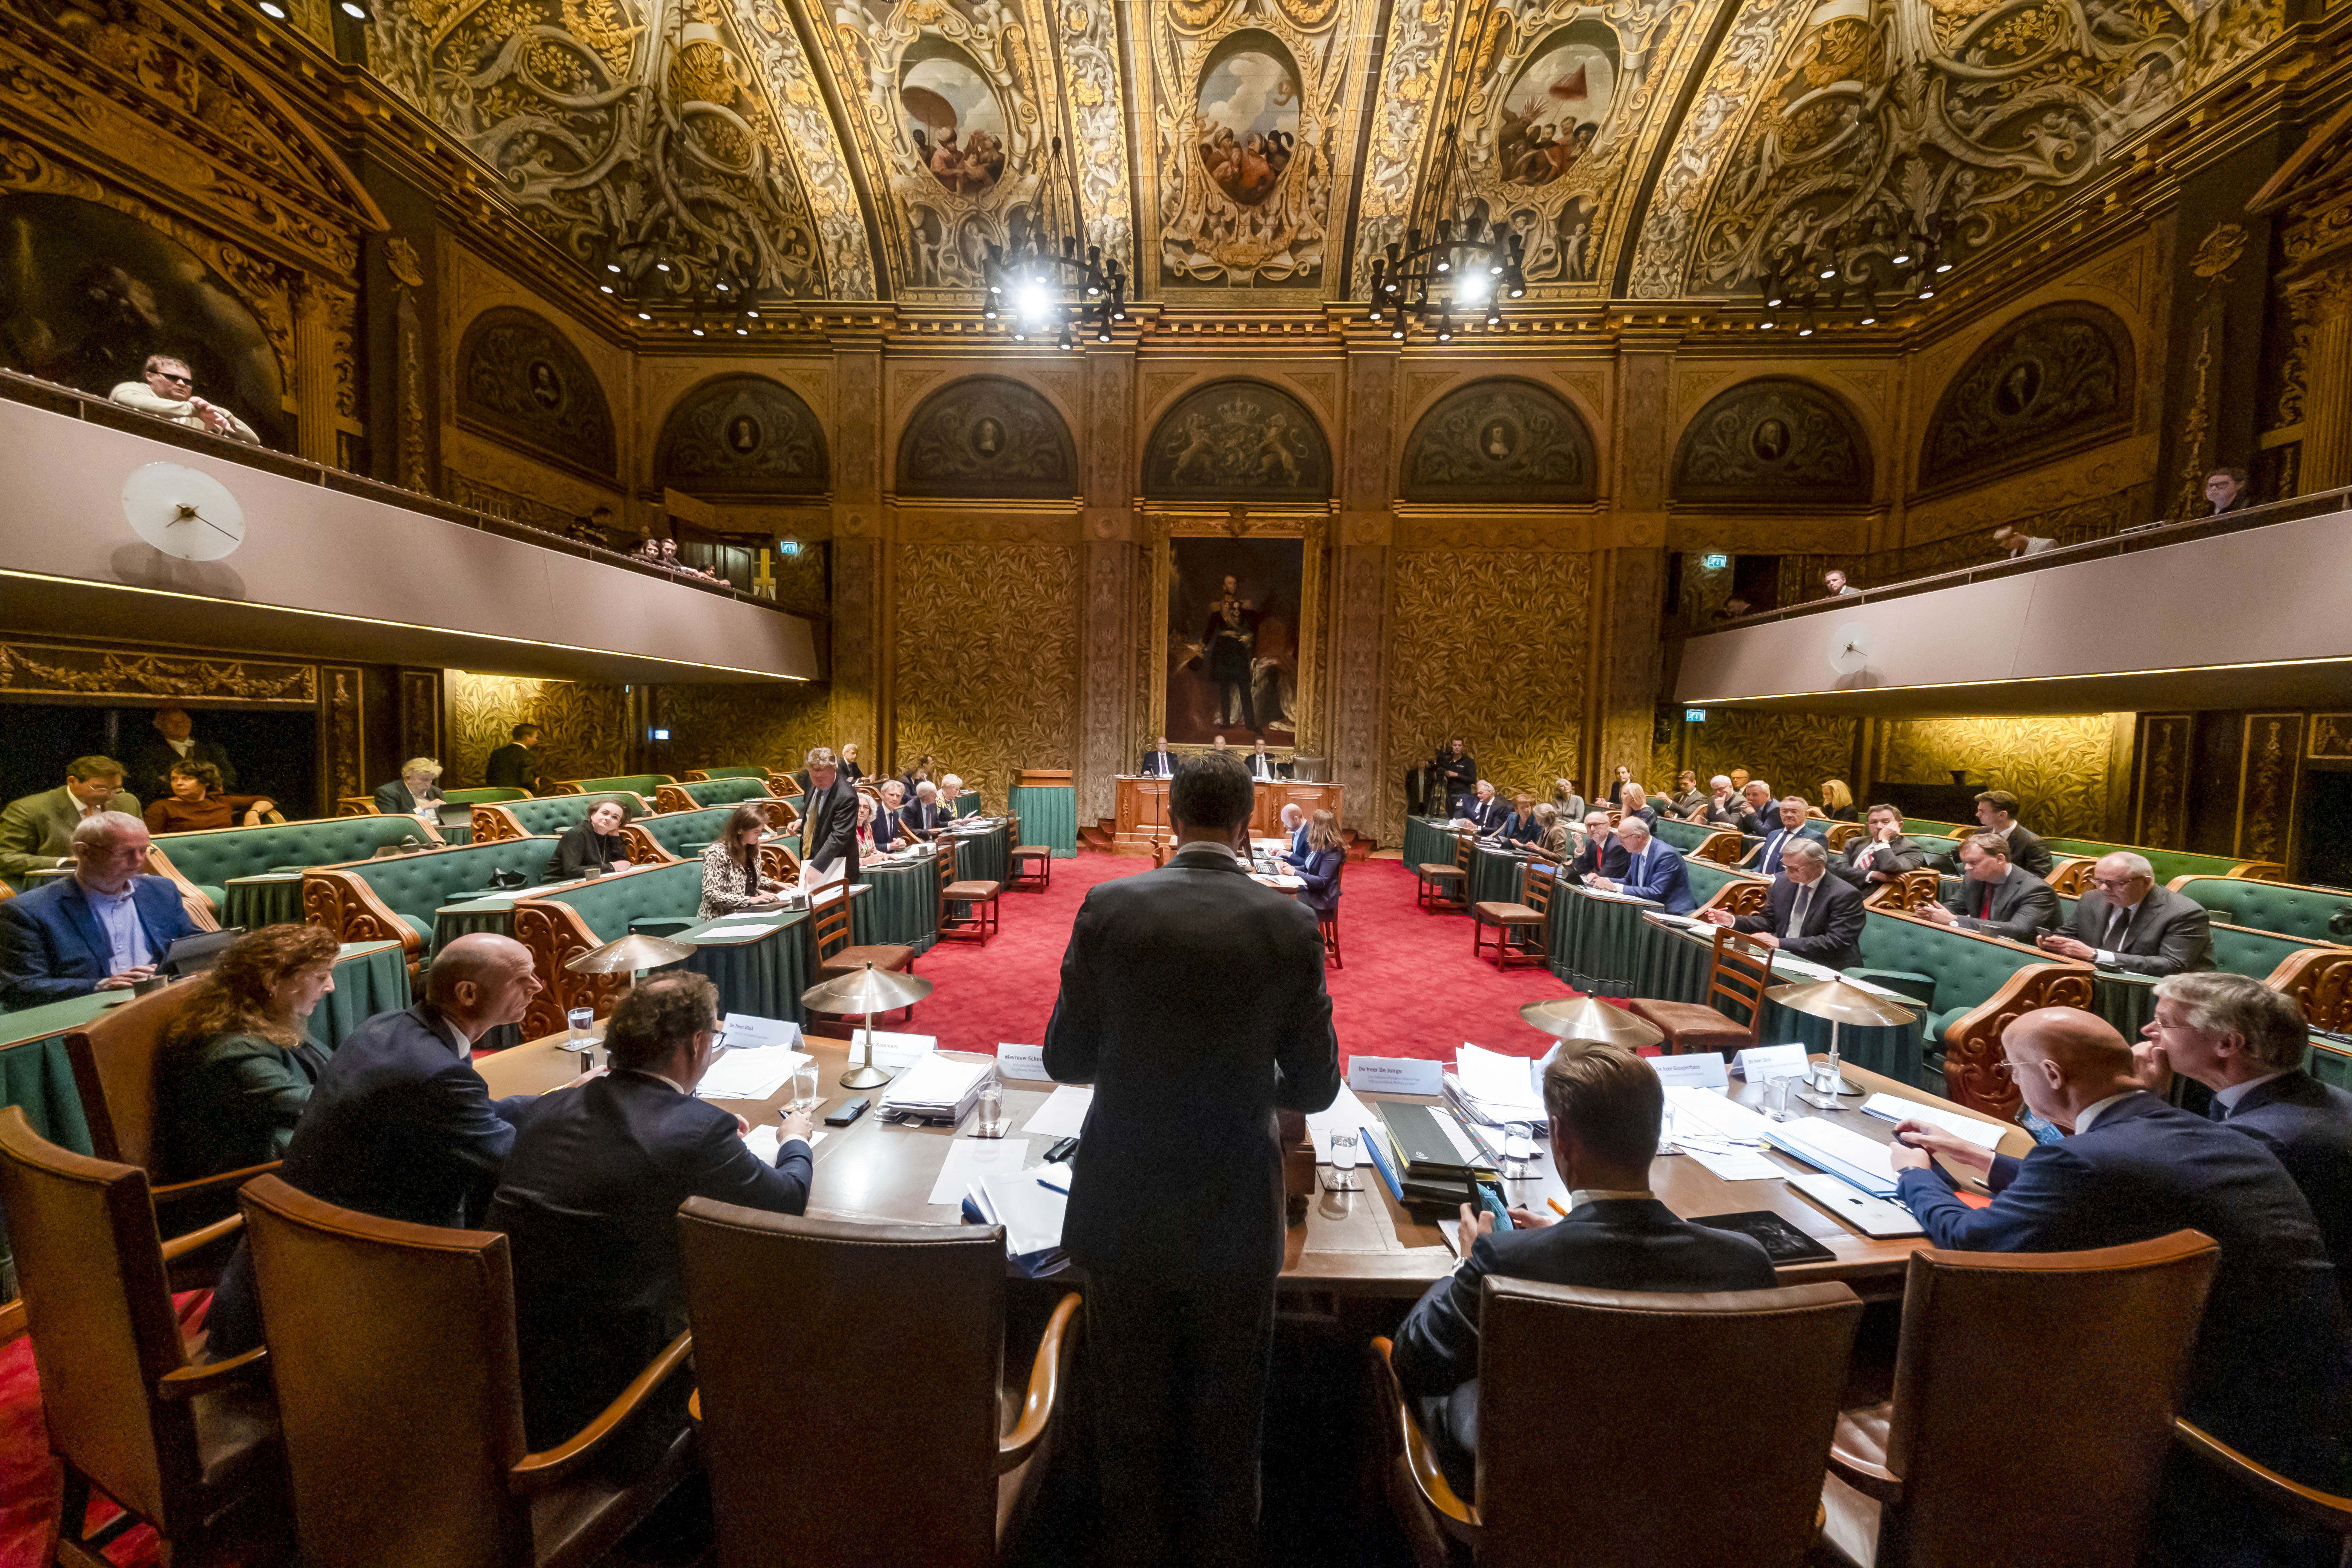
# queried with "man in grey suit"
point(829, 822)
point(2125, 922)
point(36, 831)
point(1192, 999)
point(1996, 899)
point(1997, 813)
point(1807, 912)
point(1881, 855)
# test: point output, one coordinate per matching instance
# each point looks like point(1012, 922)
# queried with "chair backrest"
point(946, 868)
point(1633, 1426)
point(1739, 971)
point(836, 922)
point(1465, 846)
point(900, 1380)
point(99, 1308)
point(2102, 1338)
point(1542, 886)
point(393, 1347)
point(113, 1059)
point(215, 856)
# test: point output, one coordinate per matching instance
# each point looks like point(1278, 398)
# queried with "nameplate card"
point(1763, 1063)
point(1395, 1074)
point(1023, 1062)
point(747, 1032)
point(1699, 1069)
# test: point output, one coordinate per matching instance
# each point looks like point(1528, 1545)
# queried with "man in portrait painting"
point(988, 437)
point(742, 435)
point(545, 390)
point(1770, 441)
point(1227, 645)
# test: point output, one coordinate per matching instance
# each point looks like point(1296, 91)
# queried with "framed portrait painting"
point(1236, 632)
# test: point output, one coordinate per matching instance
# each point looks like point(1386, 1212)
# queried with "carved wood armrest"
point(187, 1382)
point(644, 848)
point(1013, 1450)
point(1975, 1072)
point(354, 911)
point(670, 797)
point(179, 1247)
point(2320, 981)
point(2322, 1509)
point(538, 1472)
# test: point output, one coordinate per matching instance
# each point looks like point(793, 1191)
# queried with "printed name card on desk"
point(1699, 1069)
point(1395, 1074)
point(1023, 1062)
point(1763, 1063)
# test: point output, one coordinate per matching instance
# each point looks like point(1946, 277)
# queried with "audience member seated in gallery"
point(1788, 826)
point(515, 766)
point(37, 830)
point(1632, 803)
point(2017, 543)
point(1520, 828)
point(2247, 1042)
point(1997, 813)
point(594, 845)
point(1808, 912)
point(167, 389)
point(884, 829)
point(2267, 1377)
point(102, 928)
point(196, 803)
point(1327, 853)
point(2124, 920)
point(414, 791)
point(1881, 854)
point(2225, 490)
point(1687, 796)
point(1834, 582)
point(1837, 801)
point(1605, 1104)
point(924, 817)
point(1653, 870)
point(730, 867)
point(174, 741)
point(589, 1201)
point(1995, 897)
point(399, 1124)
point(849, 768)
point(237, 1069)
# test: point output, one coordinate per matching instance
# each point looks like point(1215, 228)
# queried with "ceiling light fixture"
point(1040, 282)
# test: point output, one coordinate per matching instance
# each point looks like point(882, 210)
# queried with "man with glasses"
point(167, 389)
point(2125, 922)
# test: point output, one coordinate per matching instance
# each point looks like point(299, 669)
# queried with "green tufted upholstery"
point(209, 860)
point(2168, 863)
point(634, 783)
point(480, 796)
point(660, 899)
point(725, 791)
point(1950, 972)
point(684, 833)
point(1684, 836)
point(1706, 877)
point(369, 897)
point(727, 773)
point(1920, 827)
point(2286, 908)
point(552, 813)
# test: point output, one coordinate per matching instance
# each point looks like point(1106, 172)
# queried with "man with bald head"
point(400, 1125)
point(2266, 1377)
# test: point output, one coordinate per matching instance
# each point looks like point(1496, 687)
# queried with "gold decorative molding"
point(2166, 765)
point(50, 670)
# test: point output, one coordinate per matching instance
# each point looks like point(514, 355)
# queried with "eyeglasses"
point(2113, 884)
point(179, 380)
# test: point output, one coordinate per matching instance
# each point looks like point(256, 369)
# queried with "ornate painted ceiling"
point(1261, 152)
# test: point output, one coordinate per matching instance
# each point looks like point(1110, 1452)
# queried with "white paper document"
point(748, 1074)
point(1026, 1062)
point(1030, 1212)
point(1345, 1111)
point(747, 1031)
point(1976, 1130)
point(1063, 1114)
point(974, 1160)
point(895, 1052)
point(764, 1141)
point(935, 1085)
point(1497, 1081)
point(1703, 1111)
point(1823, 1142)
point(1734, 1164)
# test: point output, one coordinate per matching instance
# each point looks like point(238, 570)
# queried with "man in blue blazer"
point(1653, 870)
point(102, 928)
point(400, 1125)
point(1807, 911)
point(2247, 1043)
point(1605, 1105)
point(589, 1198)
point(1790, 828)
point(2267, 1373)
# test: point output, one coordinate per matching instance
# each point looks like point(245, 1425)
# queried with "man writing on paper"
point(1808, 912)
point(1192, 999)
point(1605, 1105)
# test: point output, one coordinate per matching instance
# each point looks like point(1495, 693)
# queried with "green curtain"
point(1495, 877)
point(274, 898)
point(904, 908)
point(1427, 841)
point(1049, 816)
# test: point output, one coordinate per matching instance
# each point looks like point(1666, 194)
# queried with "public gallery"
point(745, 746)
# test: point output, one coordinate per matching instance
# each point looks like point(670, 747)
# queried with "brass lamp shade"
point(627, 955)
point(1591, 1021)
point(1842, 1002)
point(869, 990)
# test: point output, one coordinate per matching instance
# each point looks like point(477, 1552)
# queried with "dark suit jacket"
point(1661, 876)
point(512, 766)
point(2022, 905)
point(2308, 1125)
point(1833, 922)
point(2266, 1374)
point(888, 832)
point(589, 1199)
point(1489, 815)
point(1320, 871)
point(1253, 762)
point(1603, 859)
point(1767, 861)
point(924, 821)
point(1158, 764)
point(1521, 829)
point(395, 799)
point(1893, 858)
point(52, 947)
point(150, 767)
point(582, 845)
point(1760, 824)
point(400, 1126)
point(2169, 933)
point(829, 828)
point(2026, 849)
point(1618, 1244)
point(1192, 999)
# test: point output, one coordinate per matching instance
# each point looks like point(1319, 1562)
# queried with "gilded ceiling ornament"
point(2219, 251)
point(400, 257)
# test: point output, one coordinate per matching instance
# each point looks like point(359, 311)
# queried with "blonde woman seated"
point(236, 1072)
point(1634, 803)
point(730, 867)
point(1837, 801)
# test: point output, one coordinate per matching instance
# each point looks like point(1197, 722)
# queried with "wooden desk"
point(1310, 798)
point(1353, 1243)
point(1142, 810)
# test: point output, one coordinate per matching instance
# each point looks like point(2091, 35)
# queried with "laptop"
point(194, 955)
point(460, 815)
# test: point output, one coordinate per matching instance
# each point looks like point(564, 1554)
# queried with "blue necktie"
point(1633, 871)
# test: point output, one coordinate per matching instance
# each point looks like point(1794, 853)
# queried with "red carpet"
point(1410, 989)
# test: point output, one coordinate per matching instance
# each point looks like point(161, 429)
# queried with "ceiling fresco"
point(1641, 149)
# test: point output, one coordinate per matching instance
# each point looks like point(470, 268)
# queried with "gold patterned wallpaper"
point(2056, 765)
point(584, 727)
point(1793, 753)
point(743, 725)
point(1489, 645)
point(987, 663)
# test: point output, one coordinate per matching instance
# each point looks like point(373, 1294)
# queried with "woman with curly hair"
point(237, 1070)
point(196, 802)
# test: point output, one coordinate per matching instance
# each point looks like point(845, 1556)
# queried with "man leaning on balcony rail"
point(167, 389)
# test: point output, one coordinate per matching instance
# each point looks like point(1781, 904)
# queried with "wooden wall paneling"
point(986, 664)
point(2160, 781)
point(2217, 744)
point(342, 735)
point(2270, 763)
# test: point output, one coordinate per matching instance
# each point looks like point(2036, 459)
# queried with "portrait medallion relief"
point(1505, 441)
point(1772, 442)
point(2056, 377)
point(742, 436)
point(988, 437)
point(521, 381)
point(1237, 440)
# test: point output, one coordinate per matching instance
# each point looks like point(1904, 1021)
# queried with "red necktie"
point(1984, 904)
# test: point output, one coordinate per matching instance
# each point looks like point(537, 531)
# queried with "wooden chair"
point(190, 1450)
point(1906, 891)
point(1326, 926)
point(907, 1383)
point(1676, 1429)
point(1532, 913)
point(1947, 1472)
point(1740, 972)
point(1028, 865)
point(982, 915)
point(837, 950)
point(393, 1347)
point(2270, 1492)
point(1441, 885)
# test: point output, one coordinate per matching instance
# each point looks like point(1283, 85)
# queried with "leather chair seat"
point(1691, 1027)
point(970, 892)
point(1020, 850)
point(1498, 914)
point(237, 1435)
point(578, 1523)
point(1440, 871)
point(850, 960)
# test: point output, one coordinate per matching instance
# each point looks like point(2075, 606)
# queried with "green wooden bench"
point(2289, 909)
point(731, 771)
point(1699, 842)
point(2317, 975)
point(2171, 863)
point(683, 834)
point(365, 805)
point(696, 795)
point(371, 901)
point(548, 814)
point(212, 862)
point(634, 783)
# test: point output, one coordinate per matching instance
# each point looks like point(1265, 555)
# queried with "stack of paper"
point(764, 1143)
point(1492, 1088)
point(1852, 1159)
point(754, 1074)
point(1975, 1129)
point(1031, 1212)
point(1063, 1114)
point(936, 1088)
point(971, 1161)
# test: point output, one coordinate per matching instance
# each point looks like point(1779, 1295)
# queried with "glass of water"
point(991, 1108)
point(1343, 1162)
point(1776, 1095)
point(583, 1043)
point(804, 1087)
point(1518, 1150)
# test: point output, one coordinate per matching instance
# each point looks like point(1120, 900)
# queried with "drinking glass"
point(1776, 1092)
point(583, 1043)
point(1343, 1162)
point(804, 1087)
point(1666, 1129)
point(1519, 1149)
point(991, 1108)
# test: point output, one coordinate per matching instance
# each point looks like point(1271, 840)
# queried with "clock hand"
point(190, 514)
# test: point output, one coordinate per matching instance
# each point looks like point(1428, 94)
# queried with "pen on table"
point(1053, 1186)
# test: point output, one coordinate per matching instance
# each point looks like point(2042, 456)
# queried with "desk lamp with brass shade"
point(1841, 1001)
point(867, 991)
point(630, 955)
point(1588, 1020)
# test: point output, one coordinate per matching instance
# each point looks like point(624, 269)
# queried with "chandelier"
point(1040, 284)
point(1868, 272)
point(1458, 273)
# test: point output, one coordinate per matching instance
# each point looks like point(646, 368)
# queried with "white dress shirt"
point(2098, 1107)
point(1798, 907)
point(2107, 956)
point(2227, 1099)
point(118, 917)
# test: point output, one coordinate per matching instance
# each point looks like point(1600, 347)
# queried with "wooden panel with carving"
point(2056, 378)
point(988, 436)
point(2056, 766)
point(343, 730)
point(987, 660)
point(2162, 801)
point(521, 381)
point(1485, 644)
point(750, 726)
point(55, 669)
point(1792, 752)
point(584, 727)
point(742, 436)
point(1774, 441)
point(1500, 441)
point(2268, 766)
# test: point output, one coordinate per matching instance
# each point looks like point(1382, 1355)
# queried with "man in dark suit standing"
point(1605, 1105)
point(1880, 855)
point(1192, 999)
point(1603, 859)
point(1788, 826)
point(2247, 1043)
point(400, 1125)
point(104, 928)
point(2266, 1376)
point(590, 1195)
point(1158, 762)
point(1996, 899)
point(1997, 811)
point(829, 822)
point(515, 766)
point(2125, 922)
point(1653, 870)
point(1807, 912)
